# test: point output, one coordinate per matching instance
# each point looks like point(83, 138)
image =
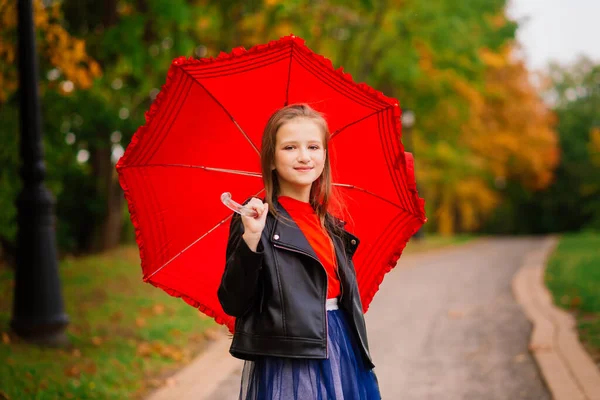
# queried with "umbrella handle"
point(237, 207)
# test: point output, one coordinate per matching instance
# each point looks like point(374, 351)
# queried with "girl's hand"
point(253, 227)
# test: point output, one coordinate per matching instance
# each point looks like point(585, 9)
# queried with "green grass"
point(433, 241)
point(126, 336)
point(573, 277)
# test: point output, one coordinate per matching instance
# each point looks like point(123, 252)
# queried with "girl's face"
point(299, 156)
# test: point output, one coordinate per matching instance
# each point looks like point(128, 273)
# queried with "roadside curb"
point(202, 376)
point(568, 370)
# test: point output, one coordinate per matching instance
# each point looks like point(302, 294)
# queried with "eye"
point(288, 148)
point(314, 147)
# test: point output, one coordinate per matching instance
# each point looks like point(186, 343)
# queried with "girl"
point(289, 277)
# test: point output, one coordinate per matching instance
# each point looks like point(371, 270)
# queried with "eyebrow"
point(296, 141)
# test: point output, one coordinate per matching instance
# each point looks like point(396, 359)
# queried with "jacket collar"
point(285, 232)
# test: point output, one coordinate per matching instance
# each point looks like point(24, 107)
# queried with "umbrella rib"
point(245, 135)
point(226, 111)
point(287, 88)
point(193, 243)
point(334, 134)
point(225, 170)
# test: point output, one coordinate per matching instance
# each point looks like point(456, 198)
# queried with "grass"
point(126, 336)
point(573, 277)
point(433, 241)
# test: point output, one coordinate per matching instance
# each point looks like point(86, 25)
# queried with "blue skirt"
point(342, 376)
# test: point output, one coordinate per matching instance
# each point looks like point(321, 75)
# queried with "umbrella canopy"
point(202, 137)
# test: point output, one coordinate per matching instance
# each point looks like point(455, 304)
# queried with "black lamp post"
point(408, 121)
point(38, 311)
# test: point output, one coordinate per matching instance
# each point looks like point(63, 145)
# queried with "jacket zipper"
point(326, 291)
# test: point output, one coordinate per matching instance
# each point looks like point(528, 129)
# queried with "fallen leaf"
point(72, 371)
point(76, 353)
point(172, 352)
point(456, 314)
point(140, 322)
point(175, 333)
point(196, 337)
point(144, 349)
point(212, 334)
point(5, 338)
point(90, 368)
point(116, 316)
point(97, 341)
point(155, 383)
point(157, 347)
point(158, 309)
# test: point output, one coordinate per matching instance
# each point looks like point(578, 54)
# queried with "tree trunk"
point(107, 233)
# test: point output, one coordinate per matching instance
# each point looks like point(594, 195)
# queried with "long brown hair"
point(321, 189)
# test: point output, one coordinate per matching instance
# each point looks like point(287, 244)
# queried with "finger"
point(263, 215)
point(258, 210)
point(255, 201)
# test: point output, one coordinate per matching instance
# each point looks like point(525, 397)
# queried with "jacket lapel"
point(286, 233)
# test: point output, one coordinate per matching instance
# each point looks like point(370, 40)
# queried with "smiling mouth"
point(302, 169)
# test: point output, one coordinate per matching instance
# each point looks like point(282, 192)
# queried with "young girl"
point(289, 278)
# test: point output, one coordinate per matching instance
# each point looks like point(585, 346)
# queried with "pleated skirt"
point(342, 376)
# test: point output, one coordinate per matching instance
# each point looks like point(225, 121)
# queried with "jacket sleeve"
point(242, 270)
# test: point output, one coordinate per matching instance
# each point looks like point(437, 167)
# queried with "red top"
point(307, 220)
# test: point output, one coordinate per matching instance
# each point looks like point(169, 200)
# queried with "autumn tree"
point(571, 202)
point(67, 67)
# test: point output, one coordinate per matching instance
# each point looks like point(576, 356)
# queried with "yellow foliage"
point(63, 51)
point(514, 131)
point(491, 59)
point(508, 132)
point(284, 29)
point(203, 23)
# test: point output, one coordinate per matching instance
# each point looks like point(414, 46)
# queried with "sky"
point(557, 30)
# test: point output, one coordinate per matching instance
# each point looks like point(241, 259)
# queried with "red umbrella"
point(202, 138)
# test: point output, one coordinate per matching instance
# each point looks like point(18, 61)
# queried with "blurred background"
point(502, 113)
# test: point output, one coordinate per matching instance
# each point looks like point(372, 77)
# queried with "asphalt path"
point(445, 325)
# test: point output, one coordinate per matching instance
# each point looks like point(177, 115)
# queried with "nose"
point(303, 157)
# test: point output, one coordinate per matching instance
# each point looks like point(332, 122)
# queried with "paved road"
point(445, 326)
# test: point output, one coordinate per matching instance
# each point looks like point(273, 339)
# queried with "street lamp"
point(408, 121)
point(38, 313)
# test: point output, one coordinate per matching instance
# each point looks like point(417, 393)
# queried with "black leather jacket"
point(278, 293)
